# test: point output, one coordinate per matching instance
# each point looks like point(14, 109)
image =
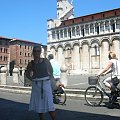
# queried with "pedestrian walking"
point(56, 72)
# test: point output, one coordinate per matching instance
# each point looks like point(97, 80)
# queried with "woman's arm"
point(109, 65)
point(29, 72)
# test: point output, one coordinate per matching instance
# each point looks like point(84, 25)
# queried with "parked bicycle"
point(59, 95)
point(95, 93)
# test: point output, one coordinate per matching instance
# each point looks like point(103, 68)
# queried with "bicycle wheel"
point(60, 96)
point(93, 96)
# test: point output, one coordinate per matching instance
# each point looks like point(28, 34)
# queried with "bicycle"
point(95, 93)
point(59, 95)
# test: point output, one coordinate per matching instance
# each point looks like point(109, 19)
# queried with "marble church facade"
point(83, 43)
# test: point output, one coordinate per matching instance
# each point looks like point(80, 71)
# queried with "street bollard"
point(3, 76)
point(15, 76)
point(63, 76)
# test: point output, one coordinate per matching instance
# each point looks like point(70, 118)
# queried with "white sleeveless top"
point(115, 68)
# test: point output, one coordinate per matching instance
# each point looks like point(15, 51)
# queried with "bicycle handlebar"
point(100, 75)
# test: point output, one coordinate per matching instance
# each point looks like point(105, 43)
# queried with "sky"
point(27, 19)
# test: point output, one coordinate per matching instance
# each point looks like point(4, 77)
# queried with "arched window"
point(96, 49)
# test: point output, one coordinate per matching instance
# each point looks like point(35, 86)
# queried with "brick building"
point(4, 51)
point(16, 52)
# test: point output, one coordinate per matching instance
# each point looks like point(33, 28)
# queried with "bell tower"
point(65, 9)
point(64, 12)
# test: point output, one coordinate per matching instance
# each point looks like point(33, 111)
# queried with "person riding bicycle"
point(112, 67)
point(56, 72)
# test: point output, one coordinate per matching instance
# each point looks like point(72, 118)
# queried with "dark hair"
point(50, 56)
point(35, 48)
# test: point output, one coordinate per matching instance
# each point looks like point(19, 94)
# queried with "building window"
point(6, 50)
point(91, 28)
point(65, 33)
point(97, 28)
point(87, 30)
point(118, 24)
point(83, 32)
point(0, 58)
point(61, 33)
point(96, 50)
point(58, 37)
point(53, 35)
point(113, 26)
point(25, 62)
point(101, 27)
point(73, 31)
point(1, 49)
point(69, 33)
point(92, 17)
point(82, 19)
point(106, 26)
point(0, 42)
point(4, 58)
point(20, 61)
point(77, 30)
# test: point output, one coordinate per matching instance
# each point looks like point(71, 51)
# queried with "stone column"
point(3, 76)
point(99, 28)
point(104, 53)
point(84, 30)
point(109, 26)
point(63, 33)
point(75, 31)
point(23, 71)
point(80, 30)
point(67, 32)
point(115, 24)
point(89, 30)
point(15, 76)
point(63, 77)
point(60, 56)
point(104, 27)
point(76, 58)
point(94, 29)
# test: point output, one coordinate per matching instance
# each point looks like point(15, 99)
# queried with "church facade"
point(83, 43)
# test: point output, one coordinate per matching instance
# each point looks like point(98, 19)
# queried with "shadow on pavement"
point(107, 105)
point(73, 115)
point(10, 110)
